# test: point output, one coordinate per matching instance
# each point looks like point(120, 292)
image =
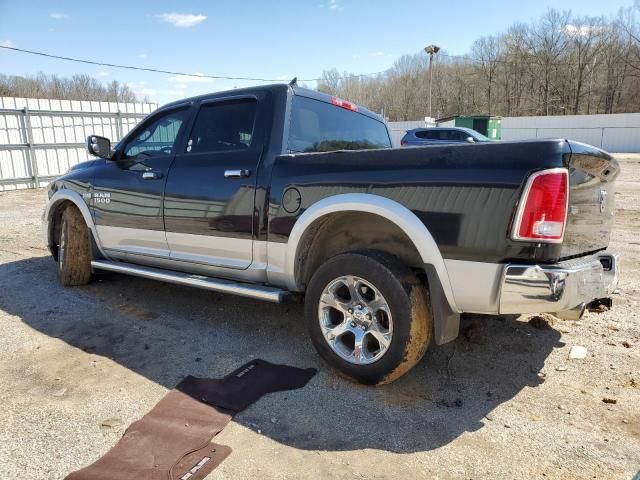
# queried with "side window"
point(447, 135)
point(431, 135)
point(460, 135)
point(223, 126)
point(158, 137)
point(450, 135)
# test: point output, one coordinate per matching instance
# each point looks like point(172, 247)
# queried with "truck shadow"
point(165, 332)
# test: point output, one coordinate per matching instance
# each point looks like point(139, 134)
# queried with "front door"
point(209, 196)
point(127, 193)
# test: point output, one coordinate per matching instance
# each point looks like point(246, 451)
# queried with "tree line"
point(559, 65)
point(78, 87)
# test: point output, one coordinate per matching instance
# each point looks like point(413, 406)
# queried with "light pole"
point(431, 50)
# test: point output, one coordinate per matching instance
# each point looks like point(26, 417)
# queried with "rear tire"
point(368, 316)
point(74, 249)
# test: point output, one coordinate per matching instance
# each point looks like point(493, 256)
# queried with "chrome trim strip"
point(362, 202)
point(226, 252)
point(134, 240)
point(260, 292)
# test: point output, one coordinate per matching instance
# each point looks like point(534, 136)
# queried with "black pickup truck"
point(280, 192)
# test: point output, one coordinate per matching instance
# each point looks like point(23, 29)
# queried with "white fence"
point(41, 139)
point(619, 132)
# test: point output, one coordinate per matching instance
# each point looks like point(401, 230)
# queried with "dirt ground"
point(502, 401)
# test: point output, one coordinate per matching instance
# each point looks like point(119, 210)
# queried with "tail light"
point(403, 143)
point(542, 213)
point(339, 102)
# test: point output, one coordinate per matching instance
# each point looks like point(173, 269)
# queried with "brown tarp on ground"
point(151, 446)
point(199, 464)
point(173, 440)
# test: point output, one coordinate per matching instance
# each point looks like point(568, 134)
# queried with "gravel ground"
point(502, 401)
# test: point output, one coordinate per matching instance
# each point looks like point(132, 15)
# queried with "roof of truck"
point(325, 97)
point(275, 88)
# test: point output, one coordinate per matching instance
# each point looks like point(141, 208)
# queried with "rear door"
point(209, 195)
point(127, 194)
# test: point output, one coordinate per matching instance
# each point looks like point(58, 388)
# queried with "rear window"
point(322, 127)
point(426, 134)
point(444, 135)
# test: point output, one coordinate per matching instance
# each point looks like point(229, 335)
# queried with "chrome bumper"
point(560, 287)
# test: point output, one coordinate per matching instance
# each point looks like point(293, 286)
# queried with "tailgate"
point(592, 174)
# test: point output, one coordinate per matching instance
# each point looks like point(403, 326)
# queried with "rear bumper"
point(560, 287)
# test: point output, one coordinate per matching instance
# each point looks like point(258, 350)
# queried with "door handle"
point(243, 173)
point(151, 175)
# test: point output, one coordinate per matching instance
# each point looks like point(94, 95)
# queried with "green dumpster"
point(488, 125)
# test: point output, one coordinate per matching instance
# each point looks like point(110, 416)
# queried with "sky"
point(267, 39)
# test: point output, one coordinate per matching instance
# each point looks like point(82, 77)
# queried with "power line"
point(464, 58)
point(169, 72)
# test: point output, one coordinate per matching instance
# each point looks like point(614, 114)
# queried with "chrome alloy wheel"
point(355, 320)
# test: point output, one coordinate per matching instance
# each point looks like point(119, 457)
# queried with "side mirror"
point(470, 140)
point(99, 146)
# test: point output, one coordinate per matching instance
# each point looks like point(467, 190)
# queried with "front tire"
point(368, 316)
point(74, 249)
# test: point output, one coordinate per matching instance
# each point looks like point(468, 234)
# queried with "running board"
point(260, 292)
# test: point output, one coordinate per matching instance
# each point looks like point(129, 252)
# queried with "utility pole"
point(431, 50)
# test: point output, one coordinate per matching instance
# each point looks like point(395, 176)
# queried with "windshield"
point(318, 126)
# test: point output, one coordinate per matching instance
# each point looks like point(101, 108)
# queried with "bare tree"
point(78, 87)
point(557, 65)
point(585, 36)
point(487, 52)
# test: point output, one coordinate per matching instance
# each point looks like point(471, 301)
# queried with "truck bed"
point(466, 195)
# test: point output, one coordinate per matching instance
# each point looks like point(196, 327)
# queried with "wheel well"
point(55, 223)
point(342, 232)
